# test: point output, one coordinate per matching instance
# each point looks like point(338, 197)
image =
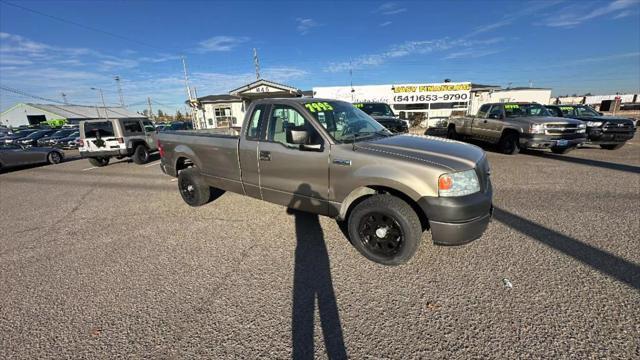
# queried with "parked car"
point(178, 125)
point(100, 140)
point(10, 138)
point(519, 125)
point(383, 114)
point(15, 155)
point(55, 137)
point(329, 158)
point(32, 139)
point(610, 132)
point(68, 142)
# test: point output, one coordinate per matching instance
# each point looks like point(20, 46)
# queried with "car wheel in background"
point(99, 161)
point(141, 155)
point(193, 189)
point(385, 229)
point(612, 146)
point(509, 144)
point(561, 150)
point(54, 157)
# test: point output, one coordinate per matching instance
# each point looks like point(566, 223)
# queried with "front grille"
point(560, 128)
point(613, 127)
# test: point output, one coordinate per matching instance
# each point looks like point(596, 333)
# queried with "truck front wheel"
point(509, 144)
point(193, 189)
point(385, 229)
point(141, 155)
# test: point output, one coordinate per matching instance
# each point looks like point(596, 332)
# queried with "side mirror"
point(298, 137)
point(314, 147)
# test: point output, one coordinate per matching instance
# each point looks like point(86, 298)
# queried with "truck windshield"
point(344, 122)
point(375, 109)
point(522, 110)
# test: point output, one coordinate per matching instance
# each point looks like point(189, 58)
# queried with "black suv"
point(609, 132)
point(383, 114)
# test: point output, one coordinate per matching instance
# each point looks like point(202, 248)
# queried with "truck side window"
point(253, 129)
point(484, 109)
point(495, 112)
point(555, 111)
point(285, 118)
point(131, 127)
point(148, 126)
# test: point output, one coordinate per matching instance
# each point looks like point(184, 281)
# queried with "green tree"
point(160, 114)
point(179, 116)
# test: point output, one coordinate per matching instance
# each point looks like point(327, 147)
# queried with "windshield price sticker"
point(512, 106)
point(566, 108)
point(318, 106)
point(359, 106)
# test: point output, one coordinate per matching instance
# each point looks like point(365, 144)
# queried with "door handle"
point(265, 155)
point(485, 121)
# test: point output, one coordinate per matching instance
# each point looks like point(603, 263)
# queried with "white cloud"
point(471, 53)
point(567, 16)
point(386, 23)
point(390, 8)
point(304, 25)
point(220, 43)
point(408, 48)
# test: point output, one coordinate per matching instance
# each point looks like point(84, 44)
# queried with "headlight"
point(583, 125)
point(581, 131)
point(594, 123)
point(536, 129)
point(458, 183)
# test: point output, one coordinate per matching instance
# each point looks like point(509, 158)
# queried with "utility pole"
point(351, 79)
point(186, 78)
point(64, 98)
point(150, 109)
point(256, 63)
point(104, 105)
point(117, 79)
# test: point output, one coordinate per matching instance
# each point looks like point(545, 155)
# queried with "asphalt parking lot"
point(110, 262)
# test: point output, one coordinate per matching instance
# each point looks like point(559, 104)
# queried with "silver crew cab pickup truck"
point(330, 158)
point(100, 140)
point(518, 125)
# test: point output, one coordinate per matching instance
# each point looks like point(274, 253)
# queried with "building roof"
point(524, 88)
point(219, 98)
point(482, 86)
point(264, 82)
point(86, 112)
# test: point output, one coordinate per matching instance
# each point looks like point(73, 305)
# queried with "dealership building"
point(33, 114)
point(427, 100)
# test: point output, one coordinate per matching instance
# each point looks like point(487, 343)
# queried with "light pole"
point(104, 105)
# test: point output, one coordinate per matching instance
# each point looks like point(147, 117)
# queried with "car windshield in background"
point(37, 134)
point(375, 109)
point(92, 129)
point(344, 122)
point(61, 133)
point(585, 111)
point(522, 110)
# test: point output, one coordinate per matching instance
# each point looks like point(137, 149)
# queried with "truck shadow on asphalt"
point(603, 261)
point(589, 162)
point(311, 281)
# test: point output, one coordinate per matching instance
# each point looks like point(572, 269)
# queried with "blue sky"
point(71, 46)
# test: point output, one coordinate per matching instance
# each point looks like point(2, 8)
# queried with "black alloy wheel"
point(381, 234)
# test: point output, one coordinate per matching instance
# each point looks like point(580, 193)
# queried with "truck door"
point(293, 174)
point(479, 122)
point(494, 123)
point(248, 150)
point(150, 134)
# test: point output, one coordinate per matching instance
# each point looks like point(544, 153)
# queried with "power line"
point(20, 92)
point(81, 25)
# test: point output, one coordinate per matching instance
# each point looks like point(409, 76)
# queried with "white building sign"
point(399, 93)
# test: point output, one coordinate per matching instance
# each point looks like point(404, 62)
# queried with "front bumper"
point(599, 137)
point(528, 141)
point(103, 153)
point(458, 220)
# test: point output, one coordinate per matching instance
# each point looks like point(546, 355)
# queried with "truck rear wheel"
point(509, 144)
point(99, 161)
point(193, 189)
point(385, 229)
point(611, 146)
point(141, 155)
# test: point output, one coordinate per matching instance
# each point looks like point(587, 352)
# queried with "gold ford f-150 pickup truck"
point(328, 157)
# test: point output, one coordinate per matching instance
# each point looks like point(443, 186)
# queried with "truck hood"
point(447, 154)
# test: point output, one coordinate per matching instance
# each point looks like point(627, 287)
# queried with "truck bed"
point(213, 151)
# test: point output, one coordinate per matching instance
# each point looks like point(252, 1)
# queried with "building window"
point(210, 121)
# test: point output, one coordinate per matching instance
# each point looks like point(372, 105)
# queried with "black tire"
point(561, 150)
point(100, 161)
point(141, 155)
point(400, 222)
point(193, 189)
point(509, 144)
point(54, 157)
point(452, 133)
point(612, 146)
